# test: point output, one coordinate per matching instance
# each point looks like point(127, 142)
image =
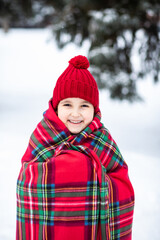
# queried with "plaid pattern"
point(73, 186)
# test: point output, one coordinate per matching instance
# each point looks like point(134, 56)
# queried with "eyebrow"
point(68, 101)
point(86, 102)
point(65, 101)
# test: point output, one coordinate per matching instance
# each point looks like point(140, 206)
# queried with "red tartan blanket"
point(73, 186)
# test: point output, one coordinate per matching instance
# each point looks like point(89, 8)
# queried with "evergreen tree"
point(114, 29)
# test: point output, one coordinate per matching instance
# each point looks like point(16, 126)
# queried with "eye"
point(85, 105)
point(66, 105)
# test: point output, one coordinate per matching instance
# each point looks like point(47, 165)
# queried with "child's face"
point(75, 113)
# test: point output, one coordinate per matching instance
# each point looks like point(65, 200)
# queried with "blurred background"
point(122, 41)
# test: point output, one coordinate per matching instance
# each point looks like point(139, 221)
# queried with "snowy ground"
point(29, 66)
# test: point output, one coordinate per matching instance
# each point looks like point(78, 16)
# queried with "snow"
point(30, 64)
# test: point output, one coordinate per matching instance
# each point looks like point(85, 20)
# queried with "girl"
point(73, 183)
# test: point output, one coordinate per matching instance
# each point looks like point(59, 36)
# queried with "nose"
point(75, 112)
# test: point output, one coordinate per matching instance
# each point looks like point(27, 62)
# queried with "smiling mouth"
point(75, 122)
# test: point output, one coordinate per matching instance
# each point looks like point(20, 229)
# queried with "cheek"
point(90, 116)
point(61, 114)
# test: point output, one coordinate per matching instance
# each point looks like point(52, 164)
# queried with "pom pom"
point(80, 62)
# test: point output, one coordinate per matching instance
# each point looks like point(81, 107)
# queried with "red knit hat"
point(76, 81)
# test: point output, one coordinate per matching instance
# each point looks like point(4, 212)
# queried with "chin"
point(75, 131)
